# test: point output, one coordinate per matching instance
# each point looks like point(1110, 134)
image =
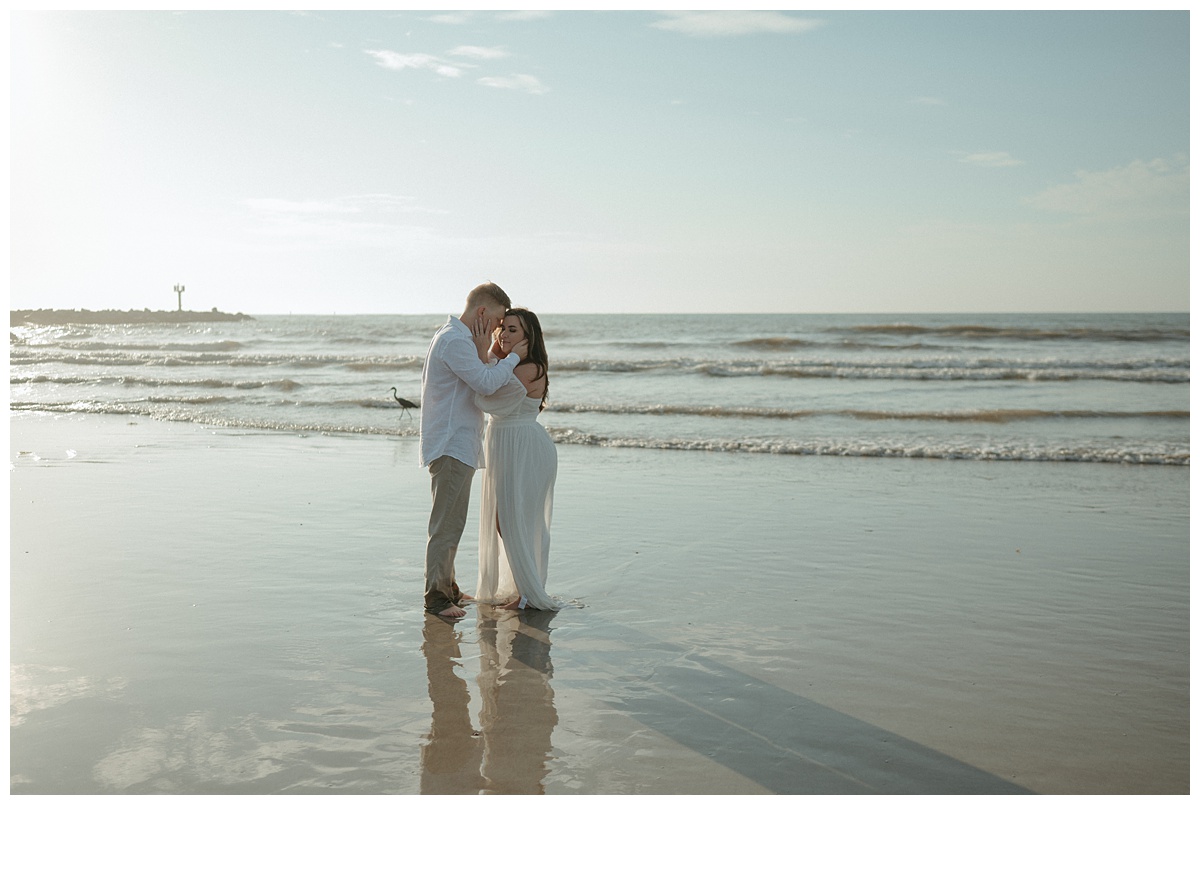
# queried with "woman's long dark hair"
point(537, 345)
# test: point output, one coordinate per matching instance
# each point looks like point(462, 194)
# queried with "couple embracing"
point(491, 359)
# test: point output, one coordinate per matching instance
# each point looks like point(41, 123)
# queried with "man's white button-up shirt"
point(451, 423)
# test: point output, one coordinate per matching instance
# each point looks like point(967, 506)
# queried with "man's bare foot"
point(453, 613)
point(467, 596)
point(513, 606)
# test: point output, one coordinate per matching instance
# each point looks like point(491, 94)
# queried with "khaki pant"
point(451, 481)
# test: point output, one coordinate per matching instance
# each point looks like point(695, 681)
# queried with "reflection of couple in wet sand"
point(509, 751)
point(490, 359)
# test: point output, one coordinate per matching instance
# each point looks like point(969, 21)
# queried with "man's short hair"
point(488, 292)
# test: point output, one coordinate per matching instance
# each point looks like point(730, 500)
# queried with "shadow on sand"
point(782, 741)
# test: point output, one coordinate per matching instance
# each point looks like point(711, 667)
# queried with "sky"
point(588, 162)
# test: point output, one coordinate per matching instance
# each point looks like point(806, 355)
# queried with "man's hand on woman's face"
point(482, 327)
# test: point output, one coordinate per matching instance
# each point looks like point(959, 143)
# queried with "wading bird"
point(405, 404)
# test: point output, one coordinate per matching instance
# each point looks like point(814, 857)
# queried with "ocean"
point(1111, 388)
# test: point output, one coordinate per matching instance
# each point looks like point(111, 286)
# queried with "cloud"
point(394, 61)
point(484, 53)
point(297, 207)
point(357, 203)
point(990, 159)
point(1139, 189)
point(527, 15)
point(523, 82)
point(734, 24)
point(389, 202)
point(451, 18)
point(462, 17)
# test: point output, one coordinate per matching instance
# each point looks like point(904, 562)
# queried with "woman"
point(520, 465)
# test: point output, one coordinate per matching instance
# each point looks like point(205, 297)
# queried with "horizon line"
point(600, 312)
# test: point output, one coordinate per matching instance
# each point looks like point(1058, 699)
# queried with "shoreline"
point(239, 611)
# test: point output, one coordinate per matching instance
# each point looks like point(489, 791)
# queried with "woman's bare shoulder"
point(531, 376)
point(528, 372)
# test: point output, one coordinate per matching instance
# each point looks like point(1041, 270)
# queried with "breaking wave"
point(1145, 371)
point(986, 416)
point(1130, 453)
point(1025, 333)
point(945, 451)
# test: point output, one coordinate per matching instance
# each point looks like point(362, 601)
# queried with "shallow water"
point(200, 610)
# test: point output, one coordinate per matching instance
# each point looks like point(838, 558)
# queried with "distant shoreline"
point(53, 317)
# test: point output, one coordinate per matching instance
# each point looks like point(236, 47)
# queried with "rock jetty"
point(54, 317)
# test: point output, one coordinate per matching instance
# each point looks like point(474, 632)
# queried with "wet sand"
point(206, 611)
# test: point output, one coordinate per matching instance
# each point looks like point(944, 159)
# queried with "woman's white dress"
point(517, 500)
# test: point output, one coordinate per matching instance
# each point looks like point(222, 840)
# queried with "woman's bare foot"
point(515, 605)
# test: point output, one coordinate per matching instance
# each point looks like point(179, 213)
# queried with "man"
point(456, 368)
